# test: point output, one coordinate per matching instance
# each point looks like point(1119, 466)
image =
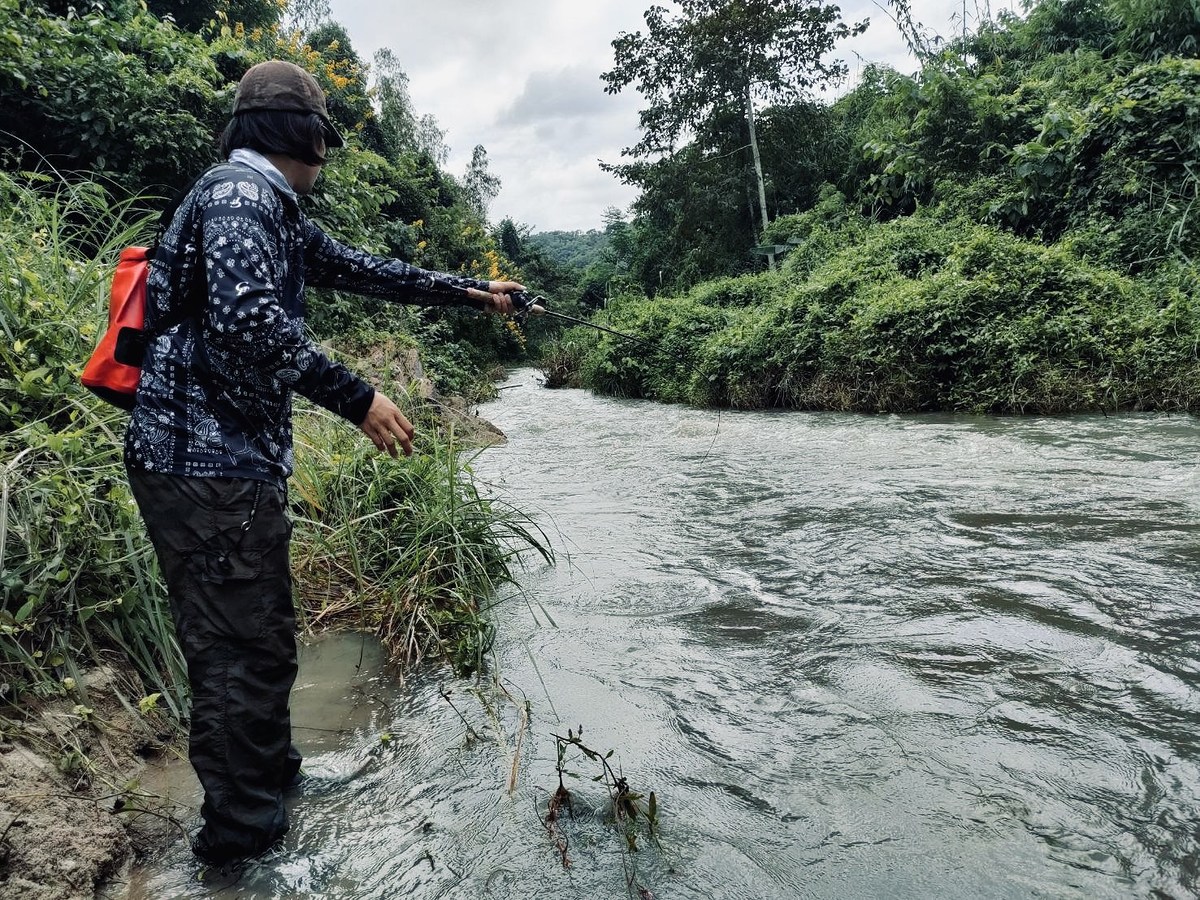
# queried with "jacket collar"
point(252, 159)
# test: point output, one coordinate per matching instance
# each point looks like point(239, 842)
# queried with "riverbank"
point(928, 313)
point(72, 810)
point(428, 552)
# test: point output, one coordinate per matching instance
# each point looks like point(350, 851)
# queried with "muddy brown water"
point(854, 656)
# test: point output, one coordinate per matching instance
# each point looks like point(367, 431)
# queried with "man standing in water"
point(209, 444)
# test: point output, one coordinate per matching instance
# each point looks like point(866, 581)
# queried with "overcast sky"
point(522, 77)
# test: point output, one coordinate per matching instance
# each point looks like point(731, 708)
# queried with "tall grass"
point(78, 580)
point(407, 548)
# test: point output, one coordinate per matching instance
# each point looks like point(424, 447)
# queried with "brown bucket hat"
point(276, 84)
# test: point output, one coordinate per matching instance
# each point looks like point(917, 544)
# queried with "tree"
point(397, 121)
point(715, 56)
point(508, 237)
point(481, 186)
point(342, 74)
point(305, 15)
point(193, 16)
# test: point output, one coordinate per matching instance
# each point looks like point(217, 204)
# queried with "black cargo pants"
point(222, 545)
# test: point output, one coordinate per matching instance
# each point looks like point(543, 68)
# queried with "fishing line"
point(538, 305)
point(714, 440)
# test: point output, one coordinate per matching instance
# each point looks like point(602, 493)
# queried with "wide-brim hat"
point(280, 85)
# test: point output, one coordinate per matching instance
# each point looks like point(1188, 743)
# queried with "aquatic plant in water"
point(632, 812)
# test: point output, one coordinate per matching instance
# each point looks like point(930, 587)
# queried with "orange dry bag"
point(113, 370)
point(115, 365)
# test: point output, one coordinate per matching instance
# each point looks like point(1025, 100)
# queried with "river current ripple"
point(855, 656)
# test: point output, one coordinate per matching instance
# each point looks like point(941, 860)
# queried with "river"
point(853, 656)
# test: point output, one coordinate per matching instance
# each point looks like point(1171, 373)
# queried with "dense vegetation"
point(1013, 228)
point(105, 110)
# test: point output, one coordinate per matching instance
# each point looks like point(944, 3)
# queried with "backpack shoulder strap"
point(194, 300)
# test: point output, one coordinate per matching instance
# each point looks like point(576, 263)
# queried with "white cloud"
point(573, 92)
point(523, 78)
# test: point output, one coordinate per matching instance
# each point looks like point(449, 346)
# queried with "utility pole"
point(758, 171)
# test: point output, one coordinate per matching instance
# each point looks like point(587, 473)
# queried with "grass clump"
point(562, 361)
point(408, 548)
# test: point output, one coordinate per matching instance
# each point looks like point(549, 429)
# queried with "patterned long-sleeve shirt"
point(215, 394)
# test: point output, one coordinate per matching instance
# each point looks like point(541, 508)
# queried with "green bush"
point(918, 314)
point(561, 360)
point(1139, 150)
point(815, 234)
point(119, 92)
point(745, 290)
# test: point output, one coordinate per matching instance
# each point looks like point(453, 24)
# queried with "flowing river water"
point(854, 656)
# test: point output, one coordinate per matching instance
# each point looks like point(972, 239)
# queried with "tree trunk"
point(758, 172)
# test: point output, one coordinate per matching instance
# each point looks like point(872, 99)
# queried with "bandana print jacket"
point(215, 395)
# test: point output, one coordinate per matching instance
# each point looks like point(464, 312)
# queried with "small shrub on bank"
point(561, 361)
point(661, 368)
point(407, 548)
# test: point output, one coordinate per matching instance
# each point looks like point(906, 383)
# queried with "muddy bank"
point(95, 796)
point(72, 812)
point(348, 722)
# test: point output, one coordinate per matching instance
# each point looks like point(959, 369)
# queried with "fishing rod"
point(528, 304)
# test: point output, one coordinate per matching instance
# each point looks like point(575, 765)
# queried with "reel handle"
point(527, 303)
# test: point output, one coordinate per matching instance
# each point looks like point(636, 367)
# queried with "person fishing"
point(208, 449)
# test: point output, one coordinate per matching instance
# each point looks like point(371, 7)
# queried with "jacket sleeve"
point(330, 264)
point(242, 251)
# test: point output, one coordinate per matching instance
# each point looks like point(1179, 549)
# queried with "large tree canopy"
point(706, 65)
point(710, 56)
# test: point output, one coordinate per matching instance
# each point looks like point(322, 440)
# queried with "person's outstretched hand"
point(496, 296)
point(386, 426)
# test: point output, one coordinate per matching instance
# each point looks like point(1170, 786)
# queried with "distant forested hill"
point(573, 249)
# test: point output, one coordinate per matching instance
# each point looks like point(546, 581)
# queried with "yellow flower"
point(517, 333)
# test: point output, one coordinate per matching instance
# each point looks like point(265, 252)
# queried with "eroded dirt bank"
point(72, 813)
